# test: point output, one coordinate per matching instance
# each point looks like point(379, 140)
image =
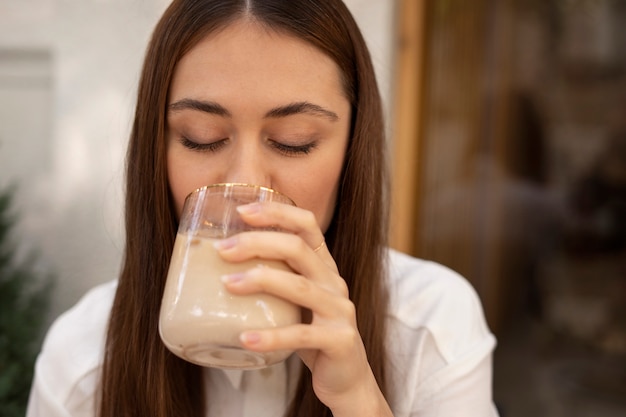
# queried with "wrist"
point(365, 400)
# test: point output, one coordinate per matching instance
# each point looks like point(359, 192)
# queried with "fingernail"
point(251, 208)
point(232, 278)
point(225, 243)
point(250, 338)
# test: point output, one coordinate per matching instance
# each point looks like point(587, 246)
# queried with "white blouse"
point(439, 344)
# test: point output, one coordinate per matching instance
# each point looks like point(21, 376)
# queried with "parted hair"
point(140, 377)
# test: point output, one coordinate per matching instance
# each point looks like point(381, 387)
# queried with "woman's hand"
point(329, 344)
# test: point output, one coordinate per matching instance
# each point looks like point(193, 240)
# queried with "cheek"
point(177, 187)
point(318, 194)
point(179, 199)
point(329, 209)
point(181, 179)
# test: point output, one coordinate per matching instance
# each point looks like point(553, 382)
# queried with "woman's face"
point(250, 105)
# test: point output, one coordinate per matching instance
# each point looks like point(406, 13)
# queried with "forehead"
point(246, 55)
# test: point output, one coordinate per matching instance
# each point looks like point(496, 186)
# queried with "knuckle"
point(346, 339)
point(342, 288)
point(303, 286)
point(351, 335)
point(347, 308)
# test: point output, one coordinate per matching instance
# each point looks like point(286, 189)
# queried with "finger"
point(283, 247)
point(289, 218)
point(336, 344)
point(294, 288)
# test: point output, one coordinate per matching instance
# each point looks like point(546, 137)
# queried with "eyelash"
point(203, 147)
point(288, 150)
point(293, 150)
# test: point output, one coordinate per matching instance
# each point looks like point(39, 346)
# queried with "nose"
point(248, 166)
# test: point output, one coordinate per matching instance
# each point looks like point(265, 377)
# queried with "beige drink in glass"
point(200, 320)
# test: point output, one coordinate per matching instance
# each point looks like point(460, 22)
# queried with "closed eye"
point(293, 150)
point(203, 147)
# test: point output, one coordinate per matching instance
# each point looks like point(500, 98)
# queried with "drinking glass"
point(200, 321)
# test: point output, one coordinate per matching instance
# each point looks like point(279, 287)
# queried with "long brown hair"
point(140, 376)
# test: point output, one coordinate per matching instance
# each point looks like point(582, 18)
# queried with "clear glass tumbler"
point(200, 321)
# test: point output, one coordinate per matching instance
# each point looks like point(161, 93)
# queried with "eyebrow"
point(200, 105)
point(301, 107)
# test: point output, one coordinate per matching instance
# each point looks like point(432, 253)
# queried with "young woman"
point(279, 93)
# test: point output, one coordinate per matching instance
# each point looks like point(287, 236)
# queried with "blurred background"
point(516, 124)
point(507, 125)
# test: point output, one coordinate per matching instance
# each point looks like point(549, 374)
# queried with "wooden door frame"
point(407, 109)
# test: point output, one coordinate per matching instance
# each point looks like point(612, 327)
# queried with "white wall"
point(70, 178)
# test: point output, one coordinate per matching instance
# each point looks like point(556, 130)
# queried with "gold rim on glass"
point(243, 185)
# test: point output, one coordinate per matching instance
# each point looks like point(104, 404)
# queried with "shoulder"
point(67, 368)
point(440, 358)
point(79, 332)
point(427, 296)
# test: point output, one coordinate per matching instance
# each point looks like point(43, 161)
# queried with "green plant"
point(24, 302)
